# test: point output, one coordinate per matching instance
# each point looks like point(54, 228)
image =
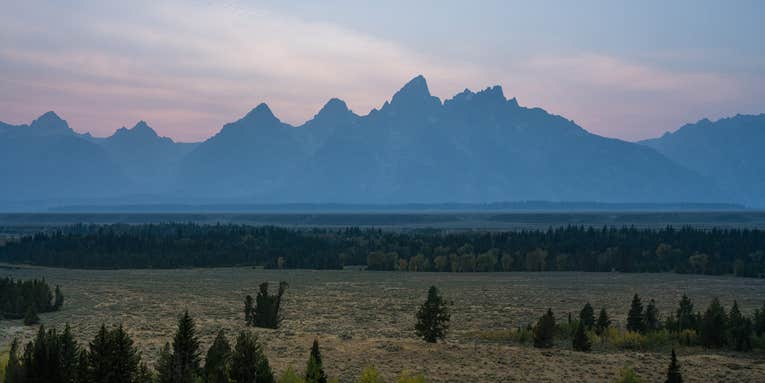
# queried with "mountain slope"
point(729, 151)
point(48, 161)
point(150, 162)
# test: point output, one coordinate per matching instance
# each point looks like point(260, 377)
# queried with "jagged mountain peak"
point(414, 92)
point(50, 121)
point(261, 112)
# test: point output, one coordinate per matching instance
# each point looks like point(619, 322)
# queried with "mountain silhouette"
point(728, 151)
point(475, 147)
point(48, 161)
point(150, 162)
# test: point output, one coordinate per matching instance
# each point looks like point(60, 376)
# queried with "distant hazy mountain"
point(48, 162)
point(476, 147)
point(150, 162)
point(731, 151)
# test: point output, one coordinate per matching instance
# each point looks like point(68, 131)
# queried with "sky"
point(624, 69)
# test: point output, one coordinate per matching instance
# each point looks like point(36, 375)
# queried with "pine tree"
point(686, 319)
point(713, 325)
point(31, 318)
point(740, 329)
point(759, 321)
point(603, 323)
point(314, 371)
point(218, 360)
point(249, 311)
point(544, 331)
point(125, 360)
point(69, 354)
point(432, 317)
point(248, 362)
point(165, 367)
point(635, 320)
point(652, 322)
point(100, 357)
point(185, 351)
point(14, 371)
point(58, 299)
point(267, 313)
point(581, 342)
point(673, 372)
point(587, 316)
point(82, 366)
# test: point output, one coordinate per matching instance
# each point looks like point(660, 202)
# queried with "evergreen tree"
point(100, 358)
point(635, 320)
point(432, 317)
point(14, 372)
point(581, 342)
point(248, 362)
point(673, 372)
point(218, 360)
point(31, 318)
point(544, 331)
point(165, 367)
point(740, 329)
point(249, 311)
point(652, 322)
point(185, 351)
point(267, 312)
point(686, 319)
point(125, 360)
point(70, 353)
point(713, 325)
point(82, 366)
point(759, 321)
point(587, 316)
point(314, 371)
point(58, 299)
point(603, 323)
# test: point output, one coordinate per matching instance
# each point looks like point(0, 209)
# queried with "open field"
point(367, 318)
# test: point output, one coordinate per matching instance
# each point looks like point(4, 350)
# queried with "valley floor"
point(367, 318)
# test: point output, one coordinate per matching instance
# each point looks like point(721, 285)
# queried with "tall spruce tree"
point(248, 362)
point(14, 371)
point(759, 321)
point(249, 311)
point(740, 329)
point(544, 331)
point(673, 372)
point(165, 368)
point(713, 325)
point(432, 317)
point(218, 360)
point(185, 351)
point(686, 318)
point(58, 299)
point(587, 316)
point(314, 370)
point(652, 322)
point(581, 342)
point(125, 360)
point(100, 357)
point(70, 353)
point(603, 323)
point(635, 319)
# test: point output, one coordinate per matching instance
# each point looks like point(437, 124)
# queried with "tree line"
point(112, 357)
point(573, 248)
point(27, 298)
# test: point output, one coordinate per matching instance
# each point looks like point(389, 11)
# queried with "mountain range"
point(476, 147)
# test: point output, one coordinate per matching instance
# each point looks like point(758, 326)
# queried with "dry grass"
point(367, 318)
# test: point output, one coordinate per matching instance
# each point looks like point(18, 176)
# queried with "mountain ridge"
point(475, 147)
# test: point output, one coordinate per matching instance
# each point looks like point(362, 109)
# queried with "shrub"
point(628, 375)
point(370, 375)
point(406, 377)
